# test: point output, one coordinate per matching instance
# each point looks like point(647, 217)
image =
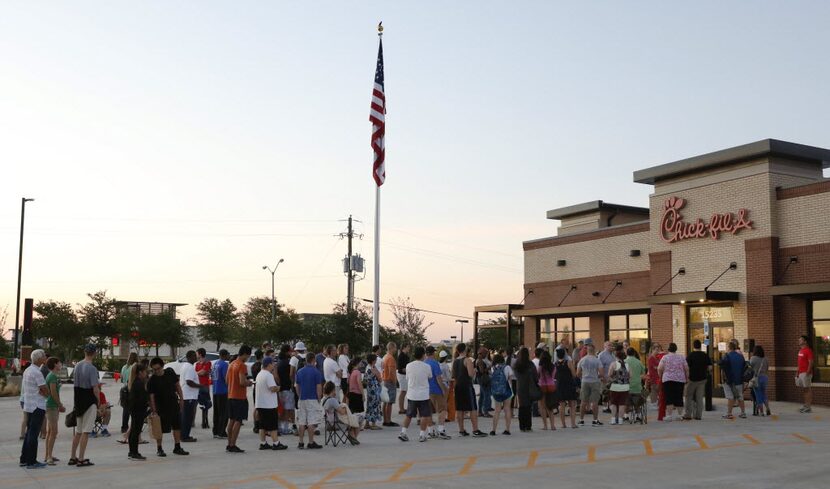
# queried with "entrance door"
point(721, 329)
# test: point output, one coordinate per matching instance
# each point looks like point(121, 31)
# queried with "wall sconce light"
point(595, 294)
point(634, 253)
point(561, 263)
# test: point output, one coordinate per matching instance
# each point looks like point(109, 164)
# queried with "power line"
point(418, 309)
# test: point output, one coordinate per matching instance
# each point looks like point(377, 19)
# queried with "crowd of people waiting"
point(296, 392)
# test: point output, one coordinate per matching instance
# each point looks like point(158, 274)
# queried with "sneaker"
point(506, 432)
point(607, 410)
point(479, 434)
point(492, 433)
point(313, 446)
point(728, 416)
point(422, 438)
point(180, 451)
point(581, 422)
point(49, 461)
point(807, 410)
point(265, 446)
point(105, 433)
point(596, 422)
point(742, 415)
point(614, 422)
point(94, 434)
point(463, 433)
point(235, 449)
point(189, 439)
point(219, 437)
point(161, 453)
point(393, 424)
point(36, 465)
point(403, 437)
point(136, 456)
point(278, 446)
point(300, 446)
point(443, 436)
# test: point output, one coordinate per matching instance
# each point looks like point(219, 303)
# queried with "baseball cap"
point(443, 354)
point(430, 350)
point(90, 348)
point(267, 361)
point(300, 346)
point(542, 345)
point(589, 341)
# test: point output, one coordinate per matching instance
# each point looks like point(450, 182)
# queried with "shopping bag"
point(155, 426)
point(384, 394)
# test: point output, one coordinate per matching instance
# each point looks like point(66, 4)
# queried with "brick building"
point(733, 244)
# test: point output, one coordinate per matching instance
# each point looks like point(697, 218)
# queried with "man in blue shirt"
point(732, 365)
point(220, 395)
point(437, 394)
point(308, 384)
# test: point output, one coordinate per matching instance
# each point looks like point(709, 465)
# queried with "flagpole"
point(376, 302)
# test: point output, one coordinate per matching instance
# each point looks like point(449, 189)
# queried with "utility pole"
point(19, 275)
point(351, 264)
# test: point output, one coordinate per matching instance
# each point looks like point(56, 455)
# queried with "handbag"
point(549, 388)
point(71, 420)
point(155, 426)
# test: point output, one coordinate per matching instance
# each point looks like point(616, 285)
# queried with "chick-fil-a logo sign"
point(673, 228)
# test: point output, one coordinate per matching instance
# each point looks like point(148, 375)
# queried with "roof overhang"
point(499, 308)
point(800, 289)
point(593, 206)
point(584, 309)
point(694, 297)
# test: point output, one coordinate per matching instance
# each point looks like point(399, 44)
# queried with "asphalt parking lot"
point(786, 449)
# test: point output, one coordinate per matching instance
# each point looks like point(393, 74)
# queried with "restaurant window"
point(821, 340)
point(554, 330)
point(629, 327)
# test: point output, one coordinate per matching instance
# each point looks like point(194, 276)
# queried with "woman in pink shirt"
point(355, 386)
point(674, 372)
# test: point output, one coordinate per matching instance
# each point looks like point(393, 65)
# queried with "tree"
point(4, 344)
point(219, 319)
point(341, 326)
point(167, 330)
point(57, 323)
point(98, 316)
point(409, 322)
point(256, 325)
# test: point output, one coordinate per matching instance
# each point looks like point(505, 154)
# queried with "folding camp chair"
point(337, 433)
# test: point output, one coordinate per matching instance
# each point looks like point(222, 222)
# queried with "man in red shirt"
point(203, 368)
point(804, 378)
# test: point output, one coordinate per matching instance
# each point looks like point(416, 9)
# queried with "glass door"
point(712, 325)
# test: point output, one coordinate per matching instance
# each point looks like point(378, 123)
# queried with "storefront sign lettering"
point(673, 228)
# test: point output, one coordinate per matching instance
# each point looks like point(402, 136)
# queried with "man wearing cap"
point(438, 388)
point(266, 404)
point(297, 362)
point(220, 394)
point(87, 394)
point(285, 379)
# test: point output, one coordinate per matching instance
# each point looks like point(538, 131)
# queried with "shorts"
point(355, 402)
point(733, 392)
point(418, 409)
point(287, 400)
point(619, 398)
point(439, 402)
point(391, 390)
point(309, 413)
point(804, 380)
point(267, 419)
point(86, 422)
point(402, 382)
point(52, 415)
point(170, 419)
point(237, 409)
point(590, 392)
point(673, 393)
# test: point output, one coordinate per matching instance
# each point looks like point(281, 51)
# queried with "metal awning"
point(498, 308)
point(695, 296)
point(589, 308)
point(800, 289)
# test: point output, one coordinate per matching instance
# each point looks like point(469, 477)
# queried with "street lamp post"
point(19, 274)
point(273, 296)
point(463, 322)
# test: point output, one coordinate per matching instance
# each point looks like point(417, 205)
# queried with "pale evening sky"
point(176, 147)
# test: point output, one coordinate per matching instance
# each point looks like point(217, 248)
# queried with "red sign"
point(673, 228)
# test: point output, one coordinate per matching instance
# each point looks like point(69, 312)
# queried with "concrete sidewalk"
point(786, 449)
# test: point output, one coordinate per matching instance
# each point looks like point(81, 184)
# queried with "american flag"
point(377, 115)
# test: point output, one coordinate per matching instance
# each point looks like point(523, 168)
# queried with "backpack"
point(499, 387)
point(748, 372)
point(300, 362)
point(621, 375)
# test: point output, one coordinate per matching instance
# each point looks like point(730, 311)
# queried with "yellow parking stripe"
point(752, 439)
point(531, 459)
point(592, 454)
point(398, 473)
point(701, 442)
point(283, 482)
point(649, 449)
point(331, 475)
point(802, 437)
point(467, 466)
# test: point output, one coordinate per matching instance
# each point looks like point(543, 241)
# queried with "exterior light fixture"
point(561, 263)
point(634, 253)
point(682, 302)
